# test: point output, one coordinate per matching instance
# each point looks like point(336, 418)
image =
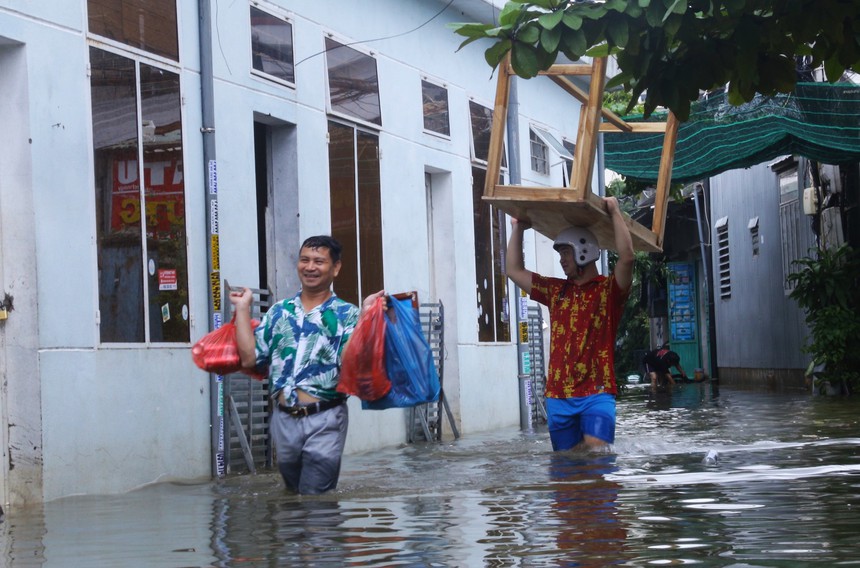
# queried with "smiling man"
point(585, 310)
point(301, 340)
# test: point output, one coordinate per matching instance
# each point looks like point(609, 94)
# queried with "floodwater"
point(784, 491)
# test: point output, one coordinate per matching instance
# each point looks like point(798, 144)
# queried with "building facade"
point(759, 228)
point(154, 150)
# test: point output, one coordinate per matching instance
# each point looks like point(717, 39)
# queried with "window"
point(272, 45)
point(356, 210)
point(482, 125)
point(149, 25)
point(140, 201)
point(491, 284)
point(435, 102)
point(722, 227)
point(539, 153)
point(795, 238)
point(568, 166)
point(787, 185)
point(353, 85)
point(541, 142)
point(755, 239)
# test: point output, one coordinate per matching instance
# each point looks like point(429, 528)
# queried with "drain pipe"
point(524, 372)
point(210, 174)
point(601, 191)
point(709, 294)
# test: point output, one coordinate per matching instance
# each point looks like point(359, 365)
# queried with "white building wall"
point(137, 415)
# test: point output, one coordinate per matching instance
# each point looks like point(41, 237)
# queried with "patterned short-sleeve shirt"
point(304, 350)
point(583, 323)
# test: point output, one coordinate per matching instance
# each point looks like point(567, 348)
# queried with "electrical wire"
point(439, 13)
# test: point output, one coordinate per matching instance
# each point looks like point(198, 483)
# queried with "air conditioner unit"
point(810, 201)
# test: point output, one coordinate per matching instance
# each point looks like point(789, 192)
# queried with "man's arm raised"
point(514, 266)
point(623, 244)
point(244, 335)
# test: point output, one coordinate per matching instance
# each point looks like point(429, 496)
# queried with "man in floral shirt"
point(585, 310)
point(301, 340)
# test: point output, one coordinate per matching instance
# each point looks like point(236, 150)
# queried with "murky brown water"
point(785, 491)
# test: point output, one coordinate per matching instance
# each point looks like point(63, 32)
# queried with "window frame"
point(567, 170)
point(280, 15)
point(500, 324)
point(444, 86)
point(553, 147)
point(472, 154)
point(539, 164)
point(791, 235)
point(120, 46)
point(359, 274)
point(366, 52)
point(134, 55)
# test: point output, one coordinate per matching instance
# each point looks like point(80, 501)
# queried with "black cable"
point(439, 13)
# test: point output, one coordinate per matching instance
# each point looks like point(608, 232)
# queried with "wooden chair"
point(551, 209)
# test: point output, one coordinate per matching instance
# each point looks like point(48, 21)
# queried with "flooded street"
point(784, 490)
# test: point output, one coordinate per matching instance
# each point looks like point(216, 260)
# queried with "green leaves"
point(494, 54)
point(674, 48)
point(826, 288)
point(551, 20)
point(572, 20)
point(618, 31)
point(525, 60)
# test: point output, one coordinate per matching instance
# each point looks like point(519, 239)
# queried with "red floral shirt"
point(584, 320)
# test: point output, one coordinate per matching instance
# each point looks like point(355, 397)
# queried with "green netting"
point(819, 121)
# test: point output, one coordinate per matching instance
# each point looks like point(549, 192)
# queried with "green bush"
point(826, 287)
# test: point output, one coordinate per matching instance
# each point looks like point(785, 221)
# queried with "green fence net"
point(819, 121)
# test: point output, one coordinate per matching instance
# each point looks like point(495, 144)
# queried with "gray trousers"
point(309, 449)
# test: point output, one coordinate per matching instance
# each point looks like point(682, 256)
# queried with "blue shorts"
point(571, 418)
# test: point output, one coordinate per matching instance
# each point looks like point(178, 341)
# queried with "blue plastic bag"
point(408, 360)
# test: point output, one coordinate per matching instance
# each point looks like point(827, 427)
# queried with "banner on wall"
point(682, 303)
point(165, 197)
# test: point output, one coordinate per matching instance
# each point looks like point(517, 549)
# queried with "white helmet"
point(584, 244)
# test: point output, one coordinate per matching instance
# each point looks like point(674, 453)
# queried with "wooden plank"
point(553, 194)
point(582, 96)
point(562, 69)
point(664, 178)
point(568, 69)
point(636, 127)
point(497, 134)
point(589, 120)
point(549, 213)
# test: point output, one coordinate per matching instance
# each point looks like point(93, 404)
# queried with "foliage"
point(826, 287)
point(673, 49)
point(634, 331)
point(620, 102)
point(624, 186)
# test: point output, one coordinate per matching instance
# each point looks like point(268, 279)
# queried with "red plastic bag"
point(363, 368)
point(218, 352)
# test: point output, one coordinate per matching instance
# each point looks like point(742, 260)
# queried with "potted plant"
point(826, 287)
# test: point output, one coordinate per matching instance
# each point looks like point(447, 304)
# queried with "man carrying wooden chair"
point(585, 311)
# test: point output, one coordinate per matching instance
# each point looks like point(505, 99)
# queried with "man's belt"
point(303, 410)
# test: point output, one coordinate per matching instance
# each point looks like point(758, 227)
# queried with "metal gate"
point(424, 422)
point(246, 406)
point(538, 364)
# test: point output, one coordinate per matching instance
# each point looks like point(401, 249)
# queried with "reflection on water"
point(782, 492)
